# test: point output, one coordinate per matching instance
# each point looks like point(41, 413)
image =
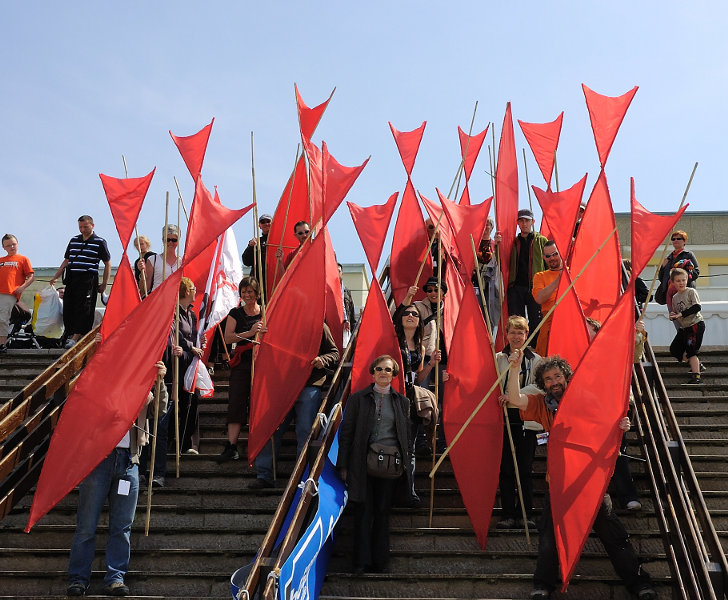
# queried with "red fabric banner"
point(585, 437)
point(437, 215)
point(372, 223)
point(566, 328)
point(408, 143)
point(470, 146)
point(465, 196)
point(338, 180)
point(376, 337)
point(606, 114)
point(193, 148)
point(543, 139)
point(308, 118)
point(452, 305)
point(334, 311)
point(292, 207)
point(295, 320)
point(648, 231)
point(466, 221)
point(123, 299)
point(410, 245)
point(125, 197)
point(506, 197)
point(476, 456)
point(599, 286)
point(560, 211)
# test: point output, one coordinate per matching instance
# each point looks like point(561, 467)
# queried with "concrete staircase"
point(21, 366)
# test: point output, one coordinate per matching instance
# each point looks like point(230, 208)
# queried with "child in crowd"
point(686, 311)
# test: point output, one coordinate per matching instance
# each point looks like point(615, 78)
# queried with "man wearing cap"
point(250, 254)
point(526, 261)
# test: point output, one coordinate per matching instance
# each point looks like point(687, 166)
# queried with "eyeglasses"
point(677, 238)
point(172, 240)
point(303, 232)
point(411, 313)
point(264, 222)
point(385, 369)
point(550, 255)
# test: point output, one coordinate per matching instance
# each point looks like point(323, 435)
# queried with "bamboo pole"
point(175, 380)
point(530, 337)
point(182, 202)
point(667, 245)
point(153, 453)
point(507, 422)
point(528, 183)
point(136, 234)
point(467, 145)
point(556, 172)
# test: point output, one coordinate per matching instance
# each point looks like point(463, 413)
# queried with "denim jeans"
point(103, 483)
point(304, 410)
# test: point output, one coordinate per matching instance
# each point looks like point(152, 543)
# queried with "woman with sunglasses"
point(375, 415)
point(679, 258)
point(160, 266)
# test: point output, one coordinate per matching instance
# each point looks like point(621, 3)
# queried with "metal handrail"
point(695, 555)
point(27, 422)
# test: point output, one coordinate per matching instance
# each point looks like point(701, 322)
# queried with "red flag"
point(648, 231)
point(476, 456)
point(599, 286)
point(308, 118)
point(408, 143)
point(560, 211)
point(585, 437)
point(456, 288)
point(125, 198)
point(334, 312)
point(410, 245)
point(376, 337)
point(295, 320)
point(466, 221)
point(465, 196)
point(292, 207)
point(372, 223)
point(470, 146)
point(436, 215)
point(107, 398)
point(566, 328)
point(606, 114)
point(338, 180)
point(193, 147)
point(506, 196)
point(543, 139)
point(123, 299)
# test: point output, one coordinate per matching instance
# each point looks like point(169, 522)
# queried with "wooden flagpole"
point(258, 249)
point(484, 302)
point(528, 183)
point(530, 337)
point(179, 196)
point(136, 233)
point(153, 452)
point(175, 383)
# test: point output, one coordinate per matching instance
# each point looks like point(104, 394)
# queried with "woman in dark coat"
point(678, 258)
point(376, 414)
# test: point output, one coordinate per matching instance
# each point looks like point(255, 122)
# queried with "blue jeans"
point(103, 483)
point(304, 410)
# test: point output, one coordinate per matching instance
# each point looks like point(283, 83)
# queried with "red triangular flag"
point(193, 147)
point(469, 149)
point(465, 196)
point(125, 198)
point(123, 299)
point(436, 215)
point(466, 221)
point(376, 337)
point(410, 245)
point(560, 210)
point(308, 118)
point(606, 114)
point(334, 311)
point(585, 437)
point(295, 320)
point(566, 327)
point(476, 456)
point(599, 286)
point(338, 180)
point(408, 143)
point(543, 139)
point(372, 223)
point(648, 231)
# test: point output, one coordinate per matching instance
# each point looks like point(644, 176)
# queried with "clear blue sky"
point(85, 82)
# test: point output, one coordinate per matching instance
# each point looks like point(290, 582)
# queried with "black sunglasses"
point(303, 232)
point(385, 369)
point(550, 255)
point(430, 289)
point(410, 313)
point(172, 240)
point(677, 238)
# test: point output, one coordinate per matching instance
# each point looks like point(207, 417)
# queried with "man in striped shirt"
point(81, 265)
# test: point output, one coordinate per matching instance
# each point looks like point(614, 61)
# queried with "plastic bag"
point(197, 377)
point(48, 313)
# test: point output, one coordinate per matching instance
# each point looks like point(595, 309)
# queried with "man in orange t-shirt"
point(545, 287)
point(16, 275)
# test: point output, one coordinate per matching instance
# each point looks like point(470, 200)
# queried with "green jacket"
point(535, 260)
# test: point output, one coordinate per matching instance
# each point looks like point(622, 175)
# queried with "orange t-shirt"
point(540, 281)
point(538, 411)
point(14, 270)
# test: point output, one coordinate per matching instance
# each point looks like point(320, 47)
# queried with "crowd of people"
point(383, 432)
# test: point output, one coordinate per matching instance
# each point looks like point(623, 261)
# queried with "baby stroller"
point(21, 334)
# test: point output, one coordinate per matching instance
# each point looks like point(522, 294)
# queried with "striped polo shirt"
point(84, 256)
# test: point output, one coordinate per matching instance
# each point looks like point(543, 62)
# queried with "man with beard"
point(553, 376)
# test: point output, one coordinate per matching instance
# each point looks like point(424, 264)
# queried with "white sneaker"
point(634, 505)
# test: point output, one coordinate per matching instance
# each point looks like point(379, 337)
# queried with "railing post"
point(673, 448)
point(649, 374)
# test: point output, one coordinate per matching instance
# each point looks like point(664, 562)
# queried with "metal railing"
point(28, 419)
point(695, 555)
